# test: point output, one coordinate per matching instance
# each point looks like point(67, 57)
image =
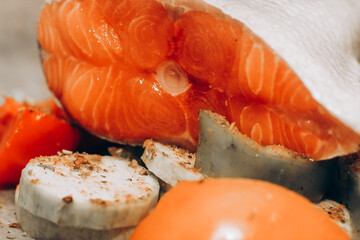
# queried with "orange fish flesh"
point(128, 70)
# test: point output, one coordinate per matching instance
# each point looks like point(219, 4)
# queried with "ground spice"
point(14, 225)
point(98, 201)
point(68, 199)
point(34, 181)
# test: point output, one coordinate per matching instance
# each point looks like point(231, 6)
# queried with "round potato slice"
point(106, 195)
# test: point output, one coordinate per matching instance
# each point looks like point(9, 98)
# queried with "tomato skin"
point(26, 133)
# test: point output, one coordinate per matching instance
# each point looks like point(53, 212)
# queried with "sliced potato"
point(224, 152)
point(338, 213)
point(74, 195)
point(41, 228)
point(169, 163)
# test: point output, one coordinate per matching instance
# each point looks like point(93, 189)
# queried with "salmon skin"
point(129, 70)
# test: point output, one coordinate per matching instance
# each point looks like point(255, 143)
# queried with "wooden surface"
point(21, 77)
point(21, 74)
point(8, 217)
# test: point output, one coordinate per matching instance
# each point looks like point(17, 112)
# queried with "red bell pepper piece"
point(27, 132)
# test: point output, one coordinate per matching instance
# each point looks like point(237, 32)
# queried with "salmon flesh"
point(129, 70)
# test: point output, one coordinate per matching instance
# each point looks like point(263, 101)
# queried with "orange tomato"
point(235, 209)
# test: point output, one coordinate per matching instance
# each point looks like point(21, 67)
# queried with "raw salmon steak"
point(129, 70)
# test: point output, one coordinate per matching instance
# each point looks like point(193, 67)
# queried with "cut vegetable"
point(30, 131)
point(47, 230)
point(339, 214)
point(354, 191)
point(105, 195)
point(224, 152)
point(169, 163)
